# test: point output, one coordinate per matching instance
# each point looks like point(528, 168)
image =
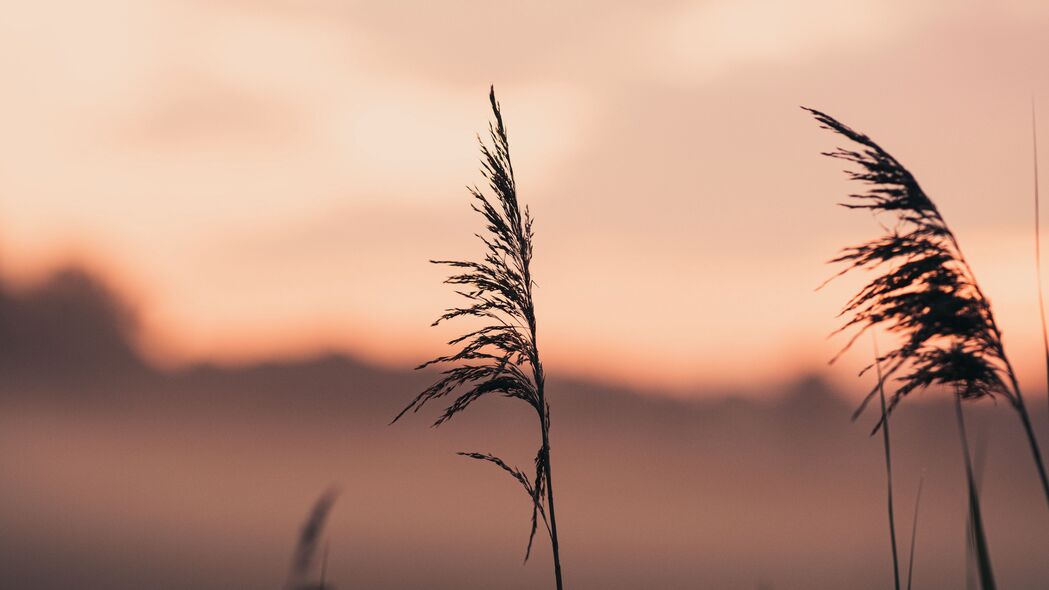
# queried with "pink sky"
point(270, 177)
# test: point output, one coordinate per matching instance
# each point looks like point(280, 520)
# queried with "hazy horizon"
point(125, 476)
point(72, 318)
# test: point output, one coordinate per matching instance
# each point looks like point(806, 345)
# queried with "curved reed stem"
point(888, 465)
point(914, 531)
point(1038, 246)
point(550, 509)
point(978, 538)
point(1025, 419)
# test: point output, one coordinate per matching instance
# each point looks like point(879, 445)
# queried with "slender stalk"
point(970, 565)
point(1017, 398)
point(1038, 245)
point(914, 531)
point(550, 508)
point(1025, 419)
point(888, 465)
point(324, 568)
point(539, 376)
point(978, 538)
point(501, 357)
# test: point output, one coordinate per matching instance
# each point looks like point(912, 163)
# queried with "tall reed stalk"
point(502, 357)
point(926, 294)
point(1038, 246)
point(888, 467)
point(914, 531)
point(977, 537)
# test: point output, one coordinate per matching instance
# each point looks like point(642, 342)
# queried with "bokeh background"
point(215, 219)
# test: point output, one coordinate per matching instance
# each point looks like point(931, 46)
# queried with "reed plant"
point(914, 530)
point(925, 293)
point(301, 571)
point(1038, 245)
point(502, 356)
point(888, 468)
point(978, 549)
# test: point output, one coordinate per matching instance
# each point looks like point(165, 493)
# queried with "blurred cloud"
point(705, 39)
point(271, 176)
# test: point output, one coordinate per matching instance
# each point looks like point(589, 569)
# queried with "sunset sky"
point(267, 178)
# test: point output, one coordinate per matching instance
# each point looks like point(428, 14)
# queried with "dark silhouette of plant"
point(309, 540)
point(1038, 245)
point(914, 530)
point(501, 357)
point(977, 537)
point(927, 294)
point(888, 469)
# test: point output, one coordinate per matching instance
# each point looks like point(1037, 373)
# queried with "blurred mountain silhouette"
point(121, 476)
point(71, 326)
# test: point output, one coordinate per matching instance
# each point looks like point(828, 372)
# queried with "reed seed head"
point(924, 291)
point(501, 357)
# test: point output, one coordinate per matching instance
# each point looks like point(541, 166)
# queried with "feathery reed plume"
point(501, 357)
point(928, 296)
point(888, 466)
point(1038, 244)
point(914, 530)
point(977, 538)
point(309, 540)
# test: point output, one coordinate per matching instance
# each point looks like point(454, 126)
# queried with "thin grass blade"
point(1038, 244)
point(914, 530)
point(977, 535)
point(888, 466)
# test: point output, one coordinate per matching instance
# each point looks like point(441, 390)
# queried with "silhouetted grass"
point(977, 538)
point(928, 296)
point(888, 469)
point(1038, 245)
point(501, 357)
point(306, 548)
point(914, 530)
